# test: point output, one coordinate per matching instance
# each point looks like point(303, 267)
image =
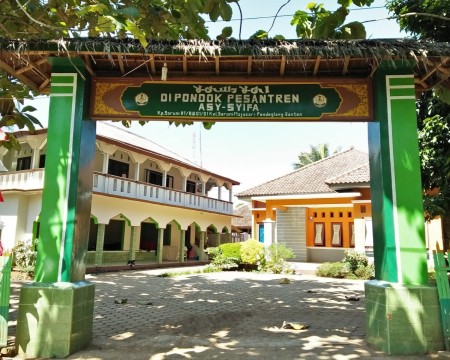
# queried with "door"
point(261, 233)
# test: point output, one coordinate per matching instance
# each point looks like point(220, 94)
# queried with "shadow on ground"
point(228, 315)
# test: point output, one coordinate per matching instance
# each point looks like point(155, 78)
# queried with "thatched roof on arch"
point(225, 60)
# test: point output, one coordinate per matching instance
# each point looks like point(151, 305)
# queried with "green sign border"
point(142, 99)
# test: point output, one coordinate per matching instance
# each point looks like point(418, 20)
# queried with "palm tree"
point(316, 153)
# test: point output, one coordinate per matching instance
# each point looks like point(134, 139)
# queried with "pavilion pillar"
point(133, 241)
point(399, 301)
point(182, 246)
point(202, 245)
point(100, 244)
point(160, 245)
point(60, 298)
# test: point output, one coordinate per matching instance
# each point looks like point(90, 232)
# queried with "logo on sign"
point(141, 99)
point(320, 100)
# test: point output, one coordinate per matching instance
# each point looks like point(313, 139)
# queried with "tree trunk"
point(6, 106)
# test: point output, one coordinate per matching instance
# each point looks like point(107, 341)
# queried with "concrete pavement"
point(139, 315)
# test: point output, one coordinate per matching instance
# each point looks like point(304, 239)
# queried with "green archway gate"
point(372, 81)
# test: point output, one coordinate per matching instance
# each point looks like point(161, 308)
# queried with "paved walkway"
point(226, 315)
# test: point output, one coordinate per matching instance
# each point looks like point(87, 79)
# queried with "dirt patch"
point(17, 275)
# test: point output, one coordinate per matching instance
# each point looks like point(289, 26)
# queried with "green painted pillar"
point(5, 276)
point(397, 210)
point(66, 198)
point(60, 298)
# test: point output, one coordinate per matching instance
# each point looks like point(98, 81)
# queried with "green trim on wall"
point(128, 221)
point(94, 219)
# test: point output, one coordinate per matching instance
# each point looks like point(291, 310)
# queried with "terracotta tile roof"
point(360, 174)
point(312, 178)
point(242, 216)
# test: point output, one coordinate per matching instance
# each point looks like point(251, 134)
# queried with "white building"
point(144, 198)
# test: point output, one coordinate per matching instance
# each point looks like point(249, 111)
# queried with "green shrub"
point(251, 251)
point(219, 260)
point(25, 257)
point(337, 270)
point(231, 250)
point(432, 277)
point(275, 259)
point(355, 265)
point(224, 262)
point(355, 260)
point(213, 252)
point(365, 272)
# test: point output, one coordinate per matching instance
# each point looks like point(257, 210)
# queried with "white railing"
point(22, 180)
point(113, 185)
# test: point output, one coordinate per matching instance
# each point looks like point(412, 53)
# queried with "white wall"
point(18, 212)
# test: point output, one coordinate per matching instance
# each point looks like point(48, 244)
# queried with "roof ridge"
point(345, 172)
point(352, 148)
point(328, 157)
point(190, 162)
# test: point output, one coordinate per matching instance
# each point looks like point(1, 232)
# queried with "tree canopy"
point(143, 20)
point(316, 153)
point(430, 20)
point(159, 19)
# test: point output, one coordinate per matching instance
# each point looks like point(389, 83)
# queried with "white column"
point(219, 184)
point(202, 245)
point(35, 158)
point(99, 244)
point(165, 167)
point(159, 246)
point(203, 188)
point(105, 163)
point(138, 160)
point(36, 143)
point(184, 183)
point(219, 192)
point(269, 232)
point(181, 253)
point(133, 242)
point(204, 179)
point(164, 179)
point(137, 166)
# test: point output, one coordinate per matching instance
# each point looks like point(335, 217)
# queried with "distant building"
point(319, 210)
point(242, 222)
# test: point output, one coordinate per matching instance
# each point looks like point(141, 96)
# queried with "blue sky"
point(253, 153)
